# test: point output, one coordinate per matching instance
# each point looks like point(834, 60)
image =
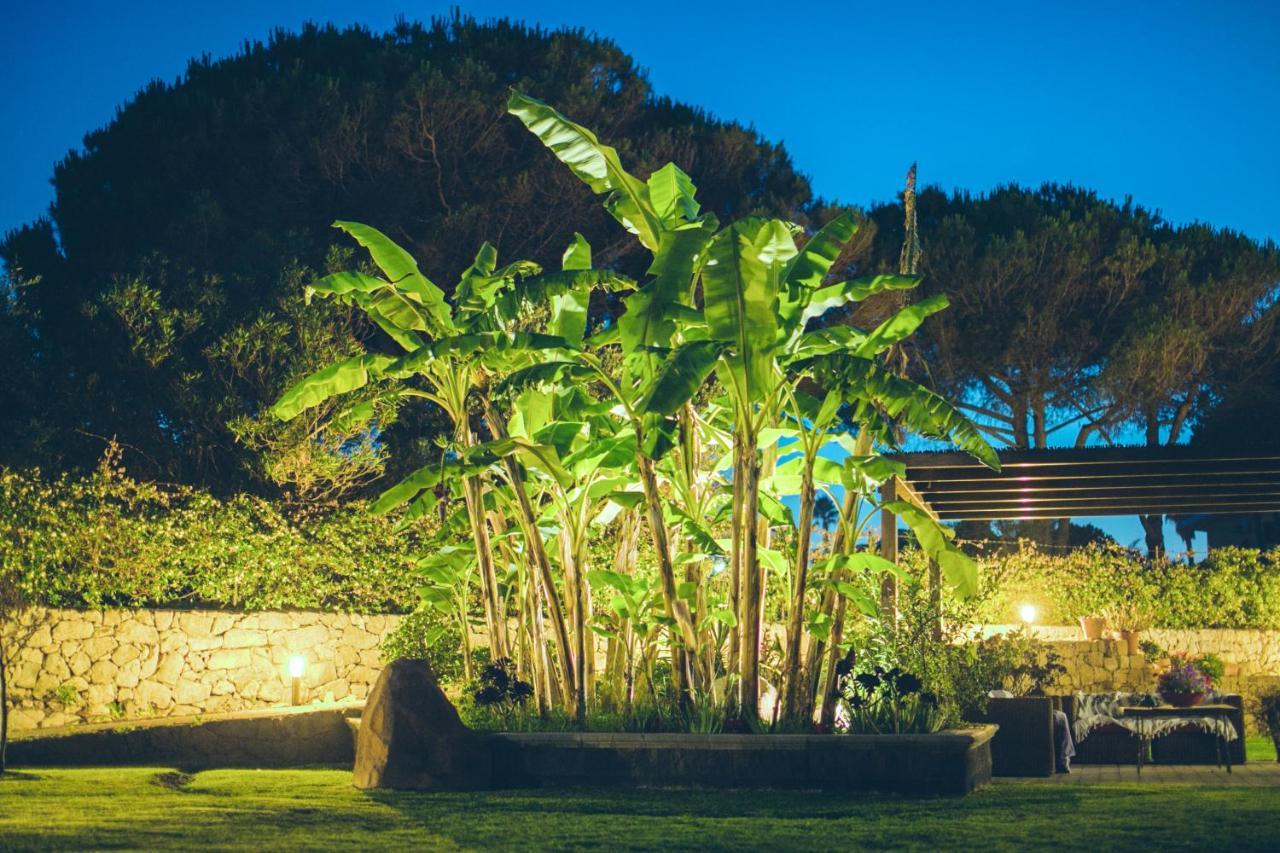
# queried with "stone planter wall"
point(949, 762)
point(95, 666)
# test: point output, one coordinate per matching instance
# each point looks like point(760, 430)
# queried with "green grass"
point(1259, 748)
point(156, 808)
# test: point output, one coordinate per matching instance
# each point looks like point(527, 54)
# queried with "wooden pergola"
point(1076, 482)
point(1090, 481)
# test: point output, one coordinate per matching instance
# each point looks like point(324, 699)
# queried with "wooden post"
point(935, 599)
point(889, 550)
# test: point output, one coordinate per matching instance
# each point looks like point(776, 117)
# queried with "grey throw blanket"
point(1095, 710)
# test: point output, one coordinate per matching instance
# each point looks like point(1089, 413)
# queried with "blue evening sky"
point(1174, 103)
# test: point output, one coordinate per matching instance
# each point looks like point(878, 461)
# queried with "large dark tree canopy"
point(160, 301)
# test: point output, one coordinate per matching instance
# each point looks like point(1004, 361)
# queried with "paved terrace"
point(1251, 774)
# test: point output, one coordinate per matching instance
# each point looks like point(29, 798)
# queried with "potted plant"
point(1184, 683)
point(1269, 715)
point(1128, 618)
point(1085, 591)
point(1092, 627)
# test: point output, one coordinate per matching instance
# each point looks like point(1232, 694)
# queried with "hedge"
point(106, 540)
point(1231, 588)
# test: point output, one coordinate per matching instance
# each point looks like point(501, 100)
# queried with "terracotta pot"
point(1182, 700)
point(1131, 640)
point(1092, 626)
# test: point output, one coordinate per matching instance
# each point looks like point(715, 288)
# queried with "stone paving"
point(1249, 774)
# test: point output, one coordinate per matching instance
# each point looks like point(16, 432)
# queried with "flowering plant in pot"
point(1184, 684)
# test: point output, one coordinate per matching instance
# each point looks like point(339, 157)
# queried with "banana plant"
point(665, 216)
point(759, 291)
point(585, 468)
point(635, 620)
point(446, 575)
point(448, 354)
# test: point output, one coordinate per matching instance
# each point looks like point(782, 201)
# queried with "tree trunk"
point(791, 661)
point(747, 465)
point(574, 582)
point(816, 647)
point(830, 683)
point(935, 601)
point(675, 608)
point(538, 650)
point(495, 620)
point(735, 591)
point(533, 542)
point(1153, 527)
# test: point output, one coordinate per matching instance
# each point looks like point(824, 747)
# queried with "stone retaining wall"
point(97, 666)
point(1252, 658)
point(94, 666)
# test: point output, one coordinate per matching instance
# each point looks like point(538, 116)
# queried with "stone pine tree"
point(159, 301)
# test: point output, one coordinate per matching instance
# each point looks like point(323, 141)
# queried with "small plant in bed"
point(499, 693)
point(889, 702)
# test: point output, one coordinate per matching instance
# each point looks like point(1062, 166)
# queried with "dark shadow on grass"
point(19, 776)
point(666, 802)
point(173, 780)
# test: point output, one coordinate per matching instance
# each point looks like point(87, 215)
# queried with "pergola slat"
point(1093, 481)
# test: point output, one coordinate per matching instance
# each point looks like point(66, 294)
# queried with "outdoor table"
point(1143, 715)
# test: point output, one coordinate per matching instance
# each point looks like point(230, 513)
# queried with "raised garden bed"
point(949, 762)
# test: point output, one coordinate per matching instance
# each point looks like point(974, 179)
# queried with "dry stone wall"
point(128, 664)
point(96, 666)
point(1251, 658)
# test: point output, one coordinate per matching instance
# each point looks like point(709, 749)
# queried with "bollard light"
point(1027, 613)
point(297, 666)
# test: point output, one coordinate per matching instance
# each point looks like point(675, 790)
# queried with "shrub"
point(1231, 588)
point(106, 540)
point(425, 634)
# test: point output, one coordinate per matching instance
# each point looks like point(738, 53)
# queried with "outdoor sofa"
point(1102, 737)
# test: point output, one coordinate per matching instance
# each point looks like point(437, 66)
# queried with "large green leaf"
point(740, 294)
point(615, 451)
point(595, 164)
point(402, 270)
point(345, 283)
point(866, 381)
point(680, 376)
point(426, 477)
point(545, 372)
point(901, 325)
point(578, 254)
point(391, 311)
point(672, 193)
point(487, 347)
point(855, 290)
point(340, 378)
point(960, 570)
point(651, 316)
point(811, 265)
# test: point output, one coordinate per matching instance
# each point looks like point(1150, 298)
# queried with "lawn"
point(1259, 749)
point(157, 808)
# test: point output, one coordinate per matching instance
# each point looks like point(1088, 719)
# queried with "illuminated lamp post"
point(297, 666)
